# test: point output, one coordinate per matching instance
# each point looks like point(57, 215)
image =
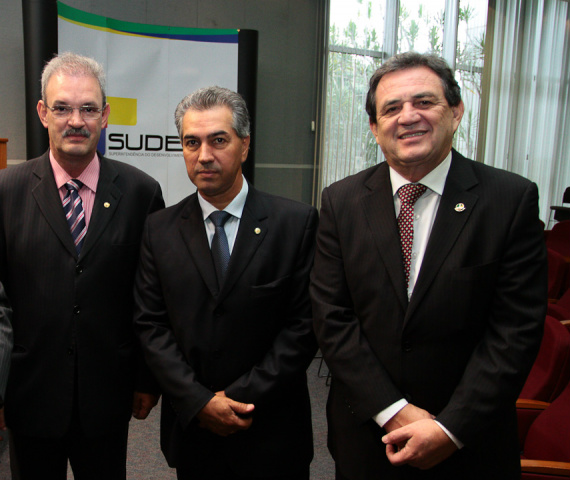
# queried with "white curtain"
point(525, 111)
point(349, 145)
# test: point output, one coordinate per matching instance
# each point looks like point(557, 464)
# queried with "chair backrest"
point(564, 300)
point(558, 238)
point(557, 272)
point(566, 195)
point(560, 309)
point(550, 372)
point(548, 437)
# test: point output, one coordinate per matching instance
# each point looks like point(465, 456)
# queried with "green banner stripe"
point(75, 15)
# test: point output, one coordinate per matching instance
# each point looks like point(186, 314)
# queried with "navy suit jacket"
point(252, 338)
point(72, 316)
point(463, 345)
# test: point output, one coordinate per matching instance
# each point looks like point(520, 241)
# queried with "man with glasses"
point(71, 223)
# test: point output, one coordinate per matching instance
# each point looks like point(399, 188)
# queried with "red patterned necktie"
point(408, 194)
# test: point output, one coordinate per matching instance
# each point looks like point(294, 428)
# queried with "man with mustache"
point(223, 310)
point(71, 223)
point(429, 293)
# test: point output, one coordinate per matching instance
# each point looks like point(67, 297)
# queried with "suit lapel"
point(252, 230)
point(378, 207)
point(49, 202)
point(253, 227)
point(194, 235)
point(449, 222)
point(106, 203)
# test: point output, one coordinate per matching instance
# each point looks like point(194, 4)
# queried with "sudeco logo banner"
point(149, 70)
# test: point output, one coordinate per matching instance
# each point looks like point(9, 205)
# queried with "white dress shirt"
point(425, 210)
point(235, 208)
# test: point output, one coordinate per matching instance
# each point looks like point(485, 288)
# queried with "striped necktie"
point(74, 213)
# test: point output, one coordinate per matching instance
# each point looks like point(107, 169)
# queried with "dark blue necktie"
point(220, 248)
point(74, 213)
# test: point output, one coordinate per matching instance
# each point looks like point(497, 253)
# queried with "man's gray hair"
point(211, 97)
point(406, 60)
point(74, 65)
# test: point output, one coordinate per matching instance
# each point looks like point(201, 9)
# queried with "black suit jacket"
point(6, 339)
point(464, 344)
point(72, 316)
point(252, 338)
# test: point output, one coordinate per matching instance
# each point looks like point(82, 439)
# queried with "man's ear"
point(457, 111)
point(105, 117)
point(374, 129)
point(42, 113)
point(245, 148)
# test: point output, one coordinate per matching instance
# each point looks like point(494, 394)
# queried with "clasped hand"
point(224, 416)
point(415, 439)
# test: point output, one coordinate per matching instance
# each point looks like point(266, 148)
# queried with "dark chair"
point(546, 448)
point(558, 239)
point(561, 308)
point(561, 212)
point(549, 375)
point(557, 274)
point(551, 370)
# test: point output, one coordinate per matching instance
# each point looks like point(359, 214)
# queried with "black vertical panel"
point(247, 88)
point(40, 45)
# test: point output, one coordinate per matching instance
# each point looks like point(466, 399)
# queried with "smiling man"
point(429, 293)
point(71, 223)
point(223, 311)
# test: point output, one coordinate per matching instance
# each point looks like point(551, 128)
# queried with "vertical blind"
point(526, 120)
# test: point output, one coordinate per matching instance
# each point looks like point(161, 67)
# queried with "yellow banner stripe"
point(123, 111)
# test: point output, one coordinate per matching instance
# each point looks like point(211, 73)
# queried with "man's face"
point(414, 123)
point(213, 154)
point(73, 139)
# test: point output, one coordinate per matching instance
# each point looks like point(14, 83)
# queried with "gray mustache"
point(77, 131)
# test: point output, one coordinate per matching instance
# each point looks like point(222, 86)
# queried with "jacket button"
point(76, 309)
point(407, 346)
point(78, 269)
point(70, 351)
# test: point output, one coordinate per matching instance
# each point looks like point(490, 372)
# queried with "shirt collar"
point(235, 207)
point(434, 180)
point(89, 177)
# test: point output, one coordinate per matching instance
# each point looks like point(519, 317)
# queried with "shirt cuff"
point(386, 415)
point(454, 439)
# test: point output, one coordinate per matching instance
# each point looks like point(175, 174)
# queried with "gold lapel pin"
point(257, 231)
point(106, 204)
point(460, 207)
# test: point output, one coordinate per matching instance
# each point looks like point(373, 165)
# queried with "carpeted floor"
point(145, 461)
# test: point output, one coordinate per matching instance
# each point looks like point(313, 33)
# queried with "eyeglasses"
point(86, 111)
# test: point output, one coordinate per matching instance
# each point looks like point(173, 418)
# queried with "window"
point(355, 41)
point(359, 41)
point(517, 107)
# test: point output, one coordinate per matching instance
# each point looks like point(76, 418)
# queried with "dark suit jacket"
point(71, 316)
point(253, 338)
point(6, 339)
point(464, 344)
